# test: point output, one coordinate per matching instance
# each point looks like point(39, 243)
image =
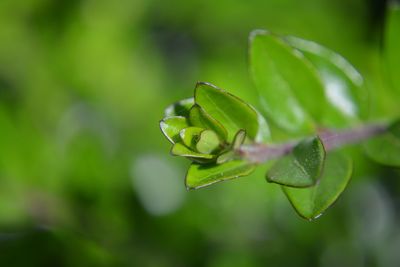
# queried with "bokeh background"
point(85, 174)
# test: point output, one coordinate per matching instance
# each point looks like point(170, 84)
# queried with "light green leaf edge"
point(198, 117)
point(264, 133)
point(202, 175)
point(239, 138)
point(235, 114)
point(358, 93)
point(171, 127)
point(179, 149)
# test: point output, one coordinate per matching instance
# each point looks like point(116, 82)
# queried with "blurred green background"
point(85, 174)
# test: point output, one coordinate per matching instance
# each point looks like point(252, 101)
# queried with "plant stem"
point(331, 139)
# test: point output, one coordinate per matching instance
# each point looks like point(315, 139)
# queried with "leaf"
point(180, 108)
point(201, 175)
point(179, 149)
point(311, 202)
point(302, 167)
point(343, 84)
point(391, 47)
point(208, 142)
point(239, 138)
point(291, 91)
point(190, 135)
point(264, 134)
point(171, 126)
point(226, 156)
point(230, 111)
point(230, 154)
point(385, 148)
point(199, 118)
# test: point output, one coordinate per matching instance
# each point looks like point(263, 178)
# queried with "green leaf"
point(311, 202)
point(291, 91)
point(239, 138)
point(199, 118)
point(190, 136)
point(264, 134)
point(302, 167)
point(230, 154)
point(343, 84)
point(385, 148)
point(171, 126)
point(201, 175)
point(230, 111)
point(180, 108)
point(392, 42)
point(179, 149)
point(208, 142)
point(226, 156)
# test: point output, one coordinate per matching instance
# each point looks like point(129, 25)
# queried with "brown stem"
point(259, 153)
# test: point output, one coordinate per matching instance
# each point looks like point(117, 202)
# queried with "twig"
point(259, 153)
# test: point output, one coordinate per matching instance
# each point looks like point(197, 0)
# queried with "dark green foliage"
point(303, 87)
point(302, 167)
point(311, 202)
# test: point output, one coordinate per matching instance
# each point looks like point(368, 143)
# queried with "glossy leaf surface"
point(208, 142)
point(199, 118)
point(311, 202)
point(343, 84)
point(230, 111)
point(264, 134)
point(190, 135)
point(201, 175)
point(171, 126)
point(179, 149)
point(226, 156)
point(291, 91)
point(302, 167)
point(239, 138)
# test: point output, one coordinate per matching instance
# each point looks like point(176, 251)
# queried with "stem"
point(259, 153)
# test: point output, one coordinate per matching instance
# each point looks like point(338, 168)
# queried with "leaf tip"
point(188, 185)
point(204, 85)
point(189, 188)
point(254, 33)
point(201, 83)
